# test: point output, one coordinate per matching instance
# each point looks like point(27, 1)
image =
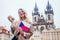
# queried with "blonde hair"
point(25, 14)
point(27, 20)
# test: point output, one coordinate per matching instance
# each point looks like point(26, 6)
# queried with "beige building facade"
point(51, 35)
point(46, 35)
point(4, 34)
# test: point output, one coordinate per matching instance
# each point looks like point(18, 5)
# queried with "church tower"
point(35, 14)
point(49, 16)
point(42, 24)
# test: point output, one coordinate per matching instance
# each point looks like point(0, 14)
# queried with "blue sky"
point(10, 7)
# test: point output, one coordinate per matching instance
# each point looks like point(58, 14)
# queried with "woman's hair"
point(11, 17)
point(27, 19)
point(25, 15)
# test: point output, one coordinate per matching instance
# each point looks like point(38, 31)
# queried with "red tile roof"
point(3, 30)
point(2, 27)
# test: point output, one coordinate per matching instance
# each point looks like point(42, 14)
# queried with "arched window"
point(41, 29)
point(49, 17)
point(35, 19)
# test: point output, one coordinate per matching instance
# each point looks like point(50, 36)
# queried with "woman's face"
point(10, 18)
point(21, 13)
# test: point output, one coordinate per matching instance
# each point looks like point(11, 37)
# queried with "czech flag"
point(24, 25)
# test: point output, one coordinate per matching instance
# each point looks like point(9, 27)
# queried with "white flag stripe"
point(26, 24)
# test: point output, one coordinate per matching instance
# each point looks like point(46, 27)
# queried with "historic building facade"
point(44, 28)
point(4, 34)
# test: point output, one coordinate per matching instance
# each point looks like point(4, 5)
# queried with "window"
point(41, 29)
point(0, 38)
point(48, 17)
point(0, 30)
point(0, 35)
point(35, 18)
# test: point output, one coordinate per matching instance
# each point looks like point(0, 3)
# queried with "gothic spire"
point(35, 8)
point(49, 8)
point(36, 12)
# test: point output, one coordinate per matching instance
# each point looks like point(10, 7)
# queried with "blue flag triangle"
point(21, 24)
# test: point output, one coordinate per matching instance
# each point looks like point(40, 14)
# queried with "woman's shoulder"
point(17, 21)
point(27, 20)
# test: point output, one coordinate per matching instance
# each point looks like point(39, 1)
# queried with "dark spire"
point(48, 8)
point(36, 10)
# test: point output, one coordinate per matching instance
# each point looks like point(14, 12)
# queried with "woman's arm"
point(16, 25)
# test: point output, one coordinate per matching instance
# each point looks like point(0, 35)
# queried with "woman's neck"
point(23, 18)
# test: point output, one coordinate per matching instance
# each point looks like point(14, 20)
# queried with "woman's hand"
point(20, 29)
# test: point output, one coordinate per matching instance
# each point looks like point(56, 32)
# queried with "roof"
point(2, 27)
point(49, 9)
point(3, 30)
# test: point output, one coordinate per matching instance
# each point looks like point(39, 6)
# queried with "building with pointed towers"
point(44, 28)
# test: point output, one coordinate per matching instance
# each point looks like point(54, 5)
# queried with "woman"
point(11, 19)
point(22, 17)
